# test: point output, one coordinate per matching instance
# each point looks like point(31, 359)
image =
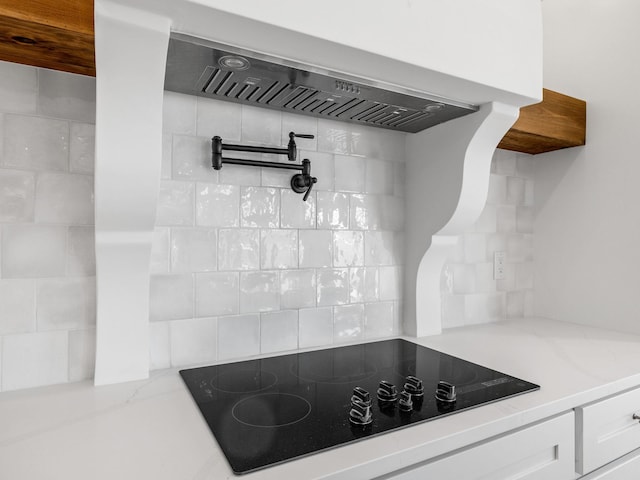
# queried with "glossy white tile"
point(338, 137)
point(261, 126)
point(391, 212)
point(238, 336)
point(167, 147)
point(259, 291)
point(315, 327)
point(35, 143)
point(260, 207)
point(278, 249)
point(497, 190)
point(363, 285)
point(18, 300)
point(399, 179)
point(193, 250)
point(524, 276)
point(238, 249)
point(175, 203)
point(33, 251)
point(17, 196)
point(217, 205)
point(160, 251)
point(159, 345)
point(481, 308)
point(193, 341)
point(82, 354)
point(18, 88)
point(82, 147)
point(300, 124)
point(296, 213)
point(504, 162)
point(453, 314)
point(487, 221)
point(179, 113)
point(380, 248)
point(378, 319)
point(348, 323)
point(506, 219)
point(333, 286)
point(278, 331)
point(390, 283)
point(484, 278)
point(64, 198)
point(275, 177)
point(349, 174)
point(515, 191)
point(316, 248)
point(191, 159)
point(366, 212)
point(323, 168)
point(240, 174)
point(524, 219)
point(475, 248)
point(515, 304)
point(171, 297)
point(464, 278)
point(65, 95)
point(217, 293)
point(216, 118)
point(81, 252)
point(378, 177)
point(348, 248)
point(297, 288)
point(66, 303)
point(34, 359)
point(333, 210)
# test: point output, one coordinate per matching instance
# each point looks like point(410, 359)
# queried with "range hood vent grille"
point(200, 68)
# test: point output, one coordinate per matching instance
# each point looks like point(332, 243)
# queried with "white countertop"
point(152, 429)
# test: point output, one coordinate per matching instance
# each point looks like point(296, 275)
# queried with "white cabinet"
point(625, 468)
point(543, 451)
point(606, 430)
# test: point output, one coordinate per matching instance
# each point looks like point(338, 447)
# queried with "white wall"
point(587, 198)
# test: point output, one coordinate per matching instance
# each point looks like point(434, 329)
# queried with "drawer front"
point(606, 430)
point(541, 452)
point(625, 468)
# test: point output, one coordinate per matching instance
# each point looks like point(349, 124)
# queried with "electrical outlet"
point(498, 265)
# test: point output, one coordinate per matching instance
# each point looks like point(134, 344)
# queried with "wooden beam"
point(559, 121)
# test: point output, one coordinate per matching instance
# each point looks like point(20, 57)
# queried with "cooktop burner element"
point(267, 411)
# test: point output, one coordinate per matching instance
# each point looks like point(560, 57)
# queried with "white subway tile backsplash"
point(380, 248)
point(315, 248)
point(348, 323)
point(323, 168)
point(475, 248)
point(349, 174)
point(193, 250)
point(275, 177)
point(366, 212)
point(217, 293)
point(524, 219)
point(191, 159)
point(464, 278)
point(504, 163)
point(179, 113)
point(297, 288)
point(18, 88)
point(515, 191)
point(515, 304)
point(17, 196)
point(278, 249)
point(338, 137)
point(64, 198)
point(487, 221)
point(399, 178)
point(315, 327)
point(171, 297)
point(175, 203)
point(363, 285)
point(378, 177)
point(33, 251)
point(238, 336)
point(520, 248)
point(506, 219)
point(66, 303)
point(238, 249)
point(36, 143)
point(159, 345)
point(217, 205)
point(82, 354)
point(68, 96)
point(528, 193)
point(497, 194)
point(261, 126)
point(278, 331)
point(193, 341)
point(378, 319)
point(240, 174)
point(260, 207)
point(524, 276)
point(484, 278)
point(259, 291)
point(222, 119)
point(333, 210)
point(160, 251)
point(296, 213)
point(348, 248)
point(34, 359)
point(301, 125)
point(392, 213)
point(82, 146)
point(333, 286)
point(481, 308)
point(18, 312)
point(390, 283)
point(453, 311)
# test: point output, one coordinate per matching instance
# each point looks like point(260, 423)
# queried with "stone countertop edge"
point(153, 429)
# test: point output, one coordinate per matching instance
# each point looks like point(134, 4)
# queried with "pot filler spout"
point(203, 68)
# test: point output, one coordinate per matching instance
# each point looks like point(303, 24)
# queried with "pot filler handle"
point(300, 182)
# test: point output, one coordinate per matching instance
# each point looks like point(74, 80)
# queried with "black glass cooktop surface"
point(271, 410)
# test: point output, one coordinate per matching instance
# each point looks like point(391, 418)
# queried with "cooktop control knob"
point(360, 413)
point(445, 392)
point(413, 386)
point(405, 403)
point(387, 392)
point(361, 395)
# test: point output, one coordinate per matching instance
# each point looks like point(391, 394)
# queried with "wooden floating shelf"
point(59, 34)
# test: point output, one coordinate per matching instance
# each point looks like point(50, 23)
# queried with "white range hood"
point(487, 54)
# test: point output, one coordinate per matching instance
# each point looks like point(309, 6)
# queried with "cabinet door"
point(625, 468)
point(541, 452)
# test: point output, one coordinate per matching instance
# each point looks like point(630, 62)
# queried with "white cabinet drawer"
point(606, 430)
point(542, 452)
point(625, 468)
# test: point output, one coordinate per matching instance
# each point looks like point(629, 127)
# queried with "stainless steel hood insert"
point(202, 68)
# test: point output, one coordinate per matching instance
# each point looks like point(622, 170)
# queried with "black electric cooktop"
point(267, 411)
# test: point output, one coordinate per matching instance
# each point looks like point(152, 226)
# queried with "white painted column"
point(131, 49)
point(448, 169)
